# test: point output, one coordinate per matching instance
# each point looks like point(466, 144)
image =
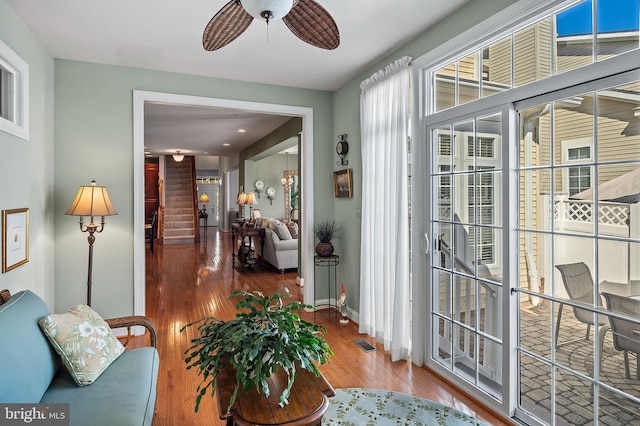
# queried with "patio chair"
point(626, 332)
point(579, 285)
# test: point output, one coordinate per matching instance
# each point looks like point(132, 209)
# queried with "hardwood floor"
point(188, 281)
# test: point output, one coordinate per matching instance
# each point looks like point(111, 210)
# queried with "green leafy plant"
point(326, 230)
point(265, 335)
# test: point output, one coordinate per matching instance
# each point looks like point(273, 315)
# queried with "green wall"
point(94, 140)
point(26, 168)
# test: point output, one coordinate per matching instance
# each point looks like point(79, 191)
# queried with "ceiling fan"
point(306, 19)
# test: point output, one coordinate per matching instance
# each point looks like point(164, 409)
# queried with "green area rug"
point(359, 407)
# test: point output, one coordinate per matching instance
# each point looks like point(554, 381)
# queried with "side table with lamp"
point(204, 198)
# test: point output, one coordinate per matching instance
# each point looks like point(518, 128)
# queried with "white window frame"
point(18, 124)
point(583, 162)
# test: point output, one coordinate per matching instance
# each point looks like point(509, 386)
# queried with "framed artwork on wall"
point(15, 238)
point(342, 184)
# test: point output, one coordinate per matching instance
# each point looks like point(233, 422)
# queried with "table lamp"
point(204, 198)
point(251, 200)
point(241, 201)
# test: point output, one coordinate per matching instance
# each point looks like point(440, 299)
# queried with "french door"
point(515, 194)
point(469, 253)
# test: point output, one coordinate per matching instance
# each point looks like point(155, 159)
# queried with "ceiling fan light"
point(276, 9)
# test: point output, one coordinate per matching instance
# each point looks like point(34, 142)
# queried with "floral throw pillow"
point(84, 341)
point(293, 228)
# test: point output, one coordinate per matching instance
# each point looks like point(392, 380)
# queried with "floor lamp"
point(91, 201)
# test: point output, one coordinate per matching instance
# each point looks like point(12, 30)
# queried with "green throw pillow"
point(84, 341)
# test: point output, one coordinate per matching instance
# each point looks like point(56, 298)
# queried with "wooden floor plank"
point(185, 282)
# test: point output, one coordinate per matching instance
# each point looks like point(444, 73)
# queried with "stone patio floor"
point(574, 400)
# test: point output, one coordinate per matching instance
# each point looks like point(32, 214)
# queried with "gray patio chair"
point(579, 285)
point(626, 332)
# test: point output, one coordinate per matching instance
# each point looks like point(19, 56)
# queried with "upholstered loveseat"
point(280, 243)
point(32, 372)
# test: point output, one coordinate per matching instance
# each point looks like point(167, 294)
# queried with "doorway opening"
point(306, 178)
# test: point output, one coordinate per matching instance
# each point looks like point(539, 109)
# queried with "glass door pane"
point(579, 235)
point(466, 294)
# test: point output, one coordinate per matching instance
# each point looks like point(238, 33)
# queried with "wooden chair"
point(150, 230)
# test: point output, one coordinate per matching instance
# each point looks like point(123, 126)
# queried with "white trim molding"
point(17, 92)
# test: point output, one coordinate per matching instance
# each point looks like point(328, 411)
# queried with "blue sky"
point(613, 15)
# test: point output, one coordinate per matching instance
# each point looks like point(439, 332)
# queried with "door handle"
point(427, 243)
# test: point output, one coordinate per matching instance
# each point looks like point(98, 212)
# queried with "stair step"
point(187, 217)
point(178, 240)
point(185, 224)
point(179, 232)
point(178, 210)
point(179, 198)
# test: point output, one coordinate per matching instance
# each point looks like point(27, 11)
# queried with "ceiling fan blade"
point(312, 24)
point(231, 21)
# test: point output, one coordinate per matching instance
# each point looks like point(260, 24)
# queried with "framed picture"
point(15, 238)
point(342, 184)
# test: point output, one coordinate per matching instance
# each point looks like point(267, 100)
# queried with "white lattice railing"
point(616, 214)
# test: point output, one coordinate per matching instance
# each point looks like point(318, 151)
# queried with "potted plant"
point(265, 335)
point(325, 231)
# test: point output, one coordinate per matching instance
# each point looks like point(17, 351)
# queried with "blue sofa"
point(124, 394)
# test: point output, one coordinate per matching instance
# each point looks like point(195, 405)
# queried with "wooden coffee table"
point(307, 403)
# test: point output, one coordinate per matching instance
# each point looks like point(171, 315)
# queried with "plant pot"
point(324, 249)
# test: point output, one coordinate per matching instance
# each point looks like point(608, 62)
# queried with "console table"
point(246, 235)
point(203, 215)
point(307, 402)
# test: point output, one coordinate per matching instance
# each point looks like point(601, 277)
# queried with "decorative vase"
point(324, 249)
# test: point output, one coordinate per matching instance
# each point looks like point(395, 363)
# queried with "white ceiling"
point(166, 35)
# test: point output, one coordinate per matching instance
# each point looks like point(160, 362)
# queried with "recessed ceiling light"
point(241, 130)
point(226, 144)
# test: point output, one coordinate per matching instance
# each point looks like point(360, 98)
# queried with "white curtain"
point(384, 271)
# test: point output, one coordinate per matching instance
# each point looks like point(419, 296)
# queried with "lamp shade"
point(204, 198)
point(242, 199)
point(92, 200)
point(275, 9)
point(178, 157)
point(251, 199)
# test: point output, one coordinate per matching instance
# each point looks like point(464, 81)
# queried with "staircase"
point(180, 219)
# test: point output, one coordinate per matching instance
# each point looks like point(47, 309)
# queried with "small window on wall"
point(578, 177)
point(14, 93)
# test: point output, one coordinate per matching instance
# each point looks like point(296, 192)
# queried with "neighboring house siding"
point(533, 52)
point(533, 190)
point(499, 63)
point(525, 53)
point(566, 63)
point(467, 67)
